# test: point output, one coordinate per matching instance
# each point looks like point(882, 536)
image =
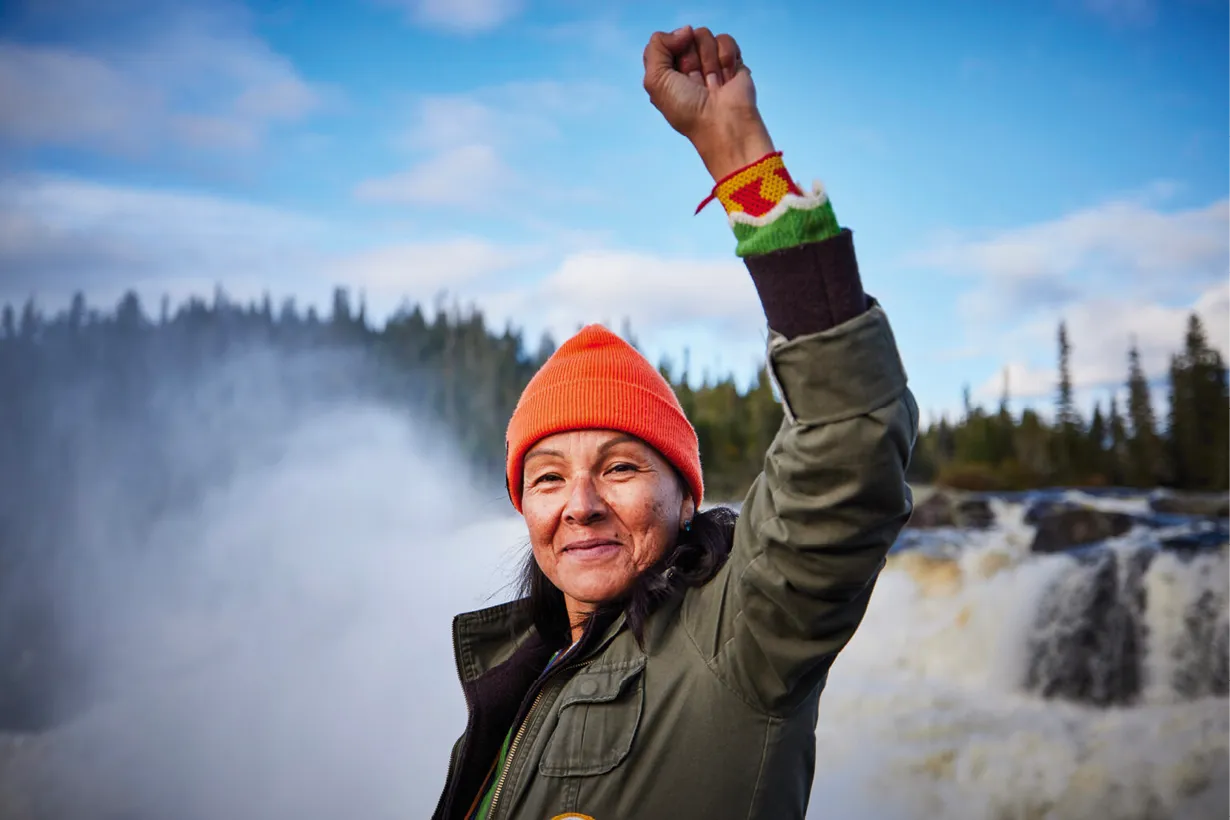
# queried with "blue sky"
point(1003, 166)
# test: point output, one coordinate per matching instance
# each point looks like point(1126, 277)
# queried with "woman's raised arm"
point(819, 520)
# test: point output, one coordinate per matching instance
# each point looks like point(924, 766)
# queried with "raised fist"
point(705, 92)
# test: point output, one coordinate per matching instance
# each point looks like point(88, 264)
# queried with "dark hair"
point(698, 554)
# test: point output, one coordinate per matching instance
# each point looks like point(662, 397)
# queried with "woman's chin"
point(594, 591)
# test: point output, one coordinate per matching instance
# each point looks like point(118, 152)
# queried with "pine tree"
point(1196, 435)
point(1004, 449)
point(1144, 467)
point(1117, 454)
point(1065, 413)
point(1067, 422)
point(1096, 445)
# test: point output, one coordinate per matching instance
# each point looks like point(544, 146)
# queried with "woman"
point(667, 662)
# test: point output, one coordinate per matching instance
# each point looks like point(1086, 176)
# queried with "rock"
point(1047, 507)
point(942, 509)
point(1065, 529)
point(936, 511)
point(974, 513)
point(1211, 505)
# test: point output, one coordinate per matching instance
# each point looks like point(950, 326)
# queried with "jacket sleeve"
point(818, 522)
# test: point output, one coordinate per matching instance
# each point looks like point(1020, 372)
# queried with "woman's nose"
point(585, 505)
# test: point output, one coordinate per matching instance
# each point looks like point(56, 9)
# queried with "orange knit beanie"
point(597, 381)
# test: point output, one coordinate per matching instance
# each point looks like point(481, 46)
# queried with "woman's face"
point(601, 507)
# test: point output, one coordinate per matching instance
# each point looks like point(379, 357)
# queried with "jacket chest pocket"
point(599, 711)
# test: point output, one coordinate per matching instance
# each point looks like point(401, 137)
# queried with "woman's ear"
point(687, 510)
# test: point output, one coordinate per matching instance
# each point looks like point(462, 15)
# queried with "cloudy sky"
point(1003, 165)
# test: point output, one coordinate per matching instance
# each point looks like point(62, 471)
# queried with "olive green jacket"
point(714, 716)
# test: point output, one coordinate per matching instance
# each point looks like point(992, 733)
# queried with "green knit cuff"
point(804, 220)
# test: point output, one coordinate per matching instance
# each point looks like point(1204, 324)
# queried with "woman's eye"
point(623, 467)
point(546, 477)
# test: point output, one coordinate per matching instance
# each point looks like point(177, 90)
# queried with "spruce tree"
point(1196, 435)
point(1004, 449)
point(1067, 422)
point(1095, 447)
point(1144, 447)
point(1117, 453)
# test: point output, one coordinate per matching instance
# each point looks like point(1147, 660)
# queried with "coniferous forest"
point(85, 397)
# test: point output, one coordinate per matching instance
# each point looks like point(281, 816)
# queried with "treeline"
point(1123, 446)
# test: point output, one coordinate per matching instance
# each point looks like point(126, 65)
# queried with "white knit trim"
point(808, 202)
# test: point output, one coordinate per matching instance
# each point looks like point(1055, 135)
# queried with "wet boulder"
point(944, 509)
point(1065, 529)
point(974, 513)
point(1043, 508)
point(1209, 505)
point(935, 511)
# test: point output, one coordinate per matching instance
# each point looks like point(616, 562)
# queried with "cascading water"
point(991, 682)
point(1127, 622)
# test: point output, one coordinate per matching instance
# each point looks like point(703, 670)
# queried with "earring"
point(687, 526)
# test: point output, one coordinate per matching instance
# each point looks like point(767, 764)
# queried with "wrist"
point(727, 150)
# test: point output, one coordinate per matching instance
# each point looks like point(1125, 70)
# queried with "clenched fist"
point(705, 92)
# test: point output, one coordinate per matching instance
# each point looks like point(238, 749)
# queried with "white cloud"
point(1100, 332)
point(445, 121)
point(465, 139)
point(659, 296)
point(471, 176)
point(59, 235)
point(671, 304)
point(1123, 247)
point(653, 292)
point(460, 16)
point(421, 271)
point(507, 114)
point(200, 79)
point(54, 95)
point(1116, 273)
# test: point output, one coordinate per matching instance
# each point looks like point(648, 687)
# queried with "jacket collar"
point(487, 638)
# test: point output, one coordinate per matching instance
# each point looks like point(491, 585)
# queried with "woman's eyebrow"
point(624, 439)
point(542, 452)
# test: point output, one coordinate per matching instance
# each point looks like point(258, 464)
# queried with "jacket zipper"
point(512, 747)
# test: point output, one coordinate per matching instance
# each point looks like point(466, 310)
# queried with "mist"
point(275, 641)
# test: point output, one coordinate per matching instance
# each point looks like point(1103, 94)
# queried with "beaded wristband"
point(754, 189)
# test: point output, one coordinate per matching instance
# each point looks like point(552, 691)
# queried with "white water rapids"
point(925, 714)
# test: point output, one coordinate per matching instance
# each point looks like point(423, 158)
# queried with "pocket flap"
point(600, 685)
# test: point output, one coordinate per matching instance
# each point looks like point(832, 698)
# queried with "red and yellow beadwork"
point(754, 189)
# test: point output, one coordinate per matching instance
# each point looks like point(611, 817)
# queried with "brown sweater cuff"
point(809, 288)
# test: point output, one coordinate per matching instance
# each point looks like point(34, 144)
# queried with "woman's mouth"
point(592, 549)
